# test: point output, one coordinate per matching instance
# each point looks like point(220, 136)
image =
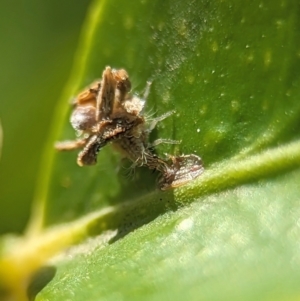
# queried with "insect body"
point(107, 113)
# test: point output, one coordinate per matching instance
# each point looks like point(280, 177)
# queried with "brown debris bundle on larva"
point(107, 113)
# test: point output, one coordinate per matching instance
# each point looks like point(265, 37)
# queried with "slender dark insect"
point(107, 112)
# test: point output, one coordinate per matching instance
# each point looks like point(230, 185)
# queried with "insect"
point(107, 112)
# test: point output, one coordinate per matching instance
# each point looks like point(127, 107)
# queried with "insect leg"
point(88, 156)
point(70, 144)
point(106, 95)
point(162, 140)
point(158, 119)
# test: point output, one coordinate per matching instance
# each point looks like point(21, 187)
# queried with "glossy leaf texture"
point(230, 70)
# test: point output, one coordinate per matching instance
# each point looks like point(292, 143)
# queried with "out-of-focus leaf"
point(38, 41)
point(1, 138)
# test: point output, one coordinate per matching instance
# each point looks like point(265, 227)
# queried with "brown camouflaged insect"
point(107, 113)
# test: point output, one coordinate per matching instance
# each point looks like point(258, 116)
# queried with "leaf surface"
point(230, 71)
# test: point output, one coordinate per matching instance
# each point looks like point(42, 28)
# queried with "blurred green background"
point(38, 42)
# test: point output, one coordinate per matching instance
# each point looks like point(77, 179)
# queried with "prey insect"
point(107, 112)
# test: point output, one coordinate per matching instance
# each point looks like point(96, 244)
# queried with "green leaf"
point(1, 139)
point(230, 71)
point(240, 244)
point(233, 93)
point(37, 57)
